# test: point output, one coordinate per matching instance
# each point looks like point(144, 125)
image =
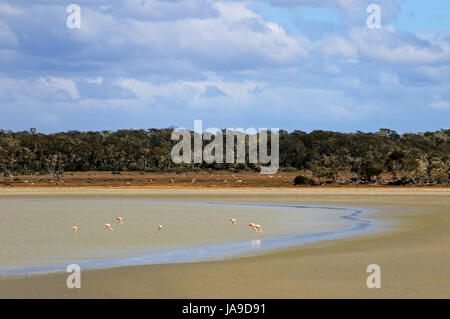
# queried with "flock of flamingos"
point(255, 227)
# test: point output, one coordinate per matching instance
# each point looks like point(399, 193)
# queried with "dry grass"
point(214, 179)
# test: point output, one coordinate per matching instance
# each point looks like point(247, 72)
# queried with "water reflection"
point(256, 243)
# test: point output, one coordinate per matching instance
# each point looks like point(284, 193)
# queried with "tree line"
point(320, 156)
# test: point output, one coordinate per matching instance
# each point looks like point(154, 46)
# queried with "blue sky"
point(289, 64)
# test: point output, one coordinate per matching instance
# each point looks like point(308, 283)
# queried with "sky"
point(287, 64)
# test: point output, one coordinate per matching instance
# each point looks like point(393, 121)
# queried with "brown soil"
point(215, 179)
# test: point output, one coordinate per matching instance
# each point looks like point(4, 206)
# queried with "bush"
point(402, 182)
point(289, 169)
point(441, 179)
point(303, 180)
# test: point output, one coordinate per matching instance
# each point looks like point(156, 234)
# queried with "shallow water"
point(36, 235)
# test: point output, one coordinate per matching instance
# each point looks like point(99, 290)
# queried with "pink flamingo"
point(233, 221)
point(257, 228)
point(119, 219)
point(108, 227)
point(159, 228)
point(74, 230)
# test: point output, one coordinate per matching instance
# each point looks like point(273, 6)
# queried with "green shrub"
point(303, 180)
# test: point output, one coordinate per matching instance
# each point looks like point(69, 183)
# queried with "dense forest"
point(320, 156)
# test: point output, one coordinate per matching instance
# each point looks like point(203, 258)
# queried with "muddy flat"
point(413, 252)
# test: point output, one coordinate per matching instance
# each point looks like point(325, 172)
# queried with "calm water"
point(36, 235)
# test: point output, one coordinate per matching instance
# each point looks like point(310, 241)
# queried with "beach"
point(413, 252)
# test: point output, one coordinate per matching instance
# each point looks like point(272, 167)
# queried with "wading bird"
point(108, 227)
point(74, 230)
point(159, 228)
point(233, 221)
point(119, 219)
point(258, 228)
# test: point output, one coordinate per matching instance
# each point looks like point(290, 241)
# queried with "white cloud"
point(236, 36)
point(398, 47)
point(8, 10)
point(167, 10)
point(56, 85)
point(7, 38)
point(190, 92)
point(440, 104)
point(338, 46)
point(98, 80)
point(8, 87)
point(389, 79)
point(353, 10)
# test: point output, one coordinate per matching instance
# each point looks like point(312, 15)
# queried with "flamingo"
point(159, 228)
point(258, 228)
point(119, 219)
point(74, 230)
point(108, 227)
point(233, 221)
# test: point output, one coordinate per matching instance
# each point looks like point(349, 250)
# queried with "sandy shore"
point(414, 255)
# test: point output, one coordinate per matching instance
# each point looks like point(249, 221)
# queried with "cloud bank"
point(140, 64)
